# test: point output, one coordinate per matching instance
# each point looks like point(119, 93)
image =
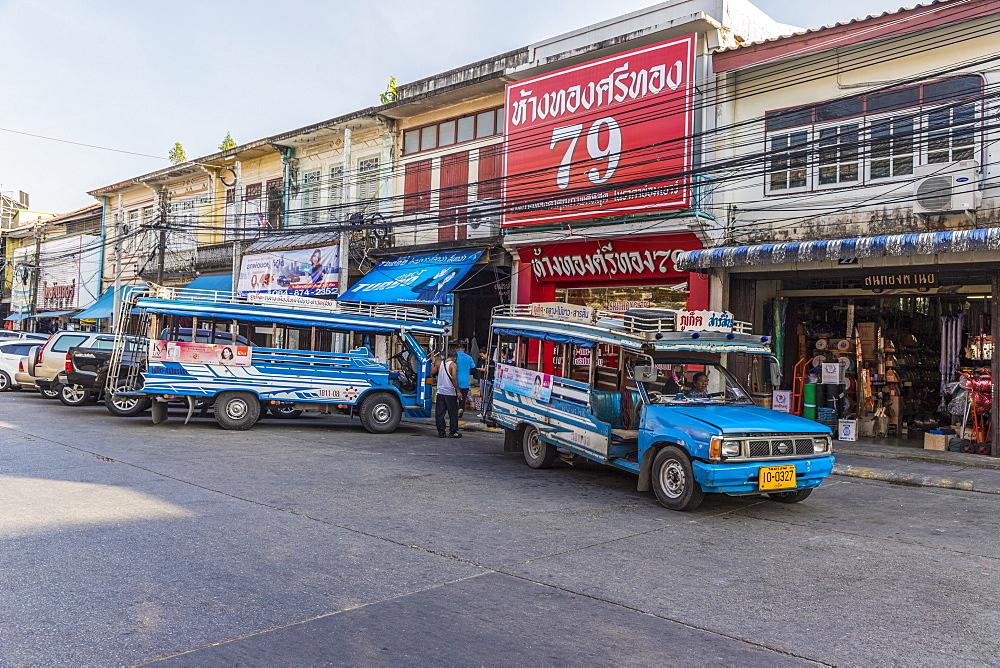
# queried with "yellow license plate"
point(777, 477)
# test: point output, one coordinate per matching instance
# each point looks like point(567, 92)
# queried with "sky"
point(138, 75)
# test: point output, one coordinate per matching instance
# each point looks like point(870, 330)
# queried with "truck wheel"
point(673, 480)
point(791, 497)
point(284, 412)
point(237, 411)
point(380, 413)
point(74, 395)
point(537, 453)
point(5, 383)
point(126, 406)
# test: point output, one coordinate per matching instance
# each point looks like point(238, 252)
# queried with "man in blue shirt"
point(464, 366)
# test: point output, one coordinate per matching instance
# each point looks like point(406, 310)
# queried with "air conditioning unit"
point(483, 219)
point(947, 188)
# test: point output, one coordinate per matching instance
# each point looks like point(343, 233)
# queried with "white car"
point(11, 353)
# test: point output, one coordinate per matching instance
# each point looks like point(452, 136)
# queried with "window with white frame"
point(309, 196)
point(873, 137)
point(368, 185)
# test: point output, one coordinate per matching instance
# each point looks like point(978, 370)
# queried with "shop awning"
point(17, 317)
point(414, 279)
point(927, 243)
point(52, 314)
point(105, 304)
point(213, 282)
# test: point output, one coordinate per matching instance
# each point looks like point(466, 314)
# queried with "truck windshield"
point(693, 383)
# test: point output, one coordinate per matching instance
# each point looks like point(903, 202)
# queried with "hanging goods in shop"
point(951, 344)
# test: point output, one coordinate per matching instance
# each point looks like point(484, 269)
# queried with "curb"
point(913, 479)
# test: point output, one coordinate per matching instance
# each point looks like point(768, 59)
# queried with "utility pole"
point(161, 246)
point(117, 294)
point(346, 197)
point(35, 275)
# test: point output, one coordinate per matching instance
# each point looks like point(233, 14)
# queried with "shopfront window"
point(623, 298)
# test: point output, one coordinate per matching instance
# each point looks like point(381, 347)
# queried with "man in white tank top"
point(447, 396)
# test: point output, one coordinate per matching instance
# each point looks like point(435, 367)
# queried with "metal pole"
point(35, 275)
point(117, 294)
point(161, 249)
point(347, 196)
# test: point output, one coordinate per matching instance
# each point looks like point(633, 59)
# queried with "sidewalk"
point(900, 464)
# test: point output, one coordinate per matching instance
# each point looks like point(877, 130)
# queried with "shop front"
point(895, 333)
point(612, 274)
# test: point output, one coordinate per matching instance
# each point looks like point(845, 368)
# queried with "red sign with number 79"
point(605, 138)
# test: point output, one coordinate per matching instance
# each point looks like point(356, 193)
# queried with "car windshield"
point(680, 382)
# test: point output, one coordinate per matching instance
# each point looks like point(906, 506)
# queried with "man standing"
point(465, 365)
point(447, 396)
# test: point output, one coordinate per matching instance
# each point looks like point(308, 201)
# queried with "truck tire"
point(74, 395)
point(538, 454)
point(673, 480)
point(380, 413)
point(237, 411)
point(126, 406)
point(791, 497)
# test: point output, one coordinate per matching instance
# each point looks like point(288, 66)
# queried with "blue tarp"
point(105, 304)
point(216, 282)
point(892, 245)
point(415, 279)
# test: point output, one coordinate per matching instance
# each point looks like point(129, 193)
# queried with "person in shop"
point(675, 380)
point(447, 396)
point(700, 386)
point(464, 366)
point(482, 367)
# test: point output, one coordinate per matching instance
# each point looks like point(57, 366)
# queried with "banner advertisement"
point(423, 279)
point(525, 382)
point(608, 137)
point(309, 272)
point(199, 353)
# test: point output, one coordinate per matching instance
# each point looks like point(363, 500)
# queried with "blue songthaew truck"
point(648, 391)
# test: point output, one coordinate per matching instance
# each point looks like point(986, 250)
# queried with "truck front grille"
point(779, 447)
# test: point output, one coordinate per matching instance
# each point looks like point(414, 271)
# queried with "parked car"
point(50, 360)
point(11, 352)
point(86, 372)
point(13, 335)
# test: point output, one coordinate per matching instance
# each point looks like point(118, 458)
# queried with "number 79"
point(571, 133)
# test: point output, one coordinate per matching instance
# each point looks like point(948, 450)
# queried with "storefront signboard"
point(781, 400)
point(606, 137)
point(310, 272)
point(525, 382)
point(919, 281)
point(199, 353)
point(563, 312)
point(704, 321)
point(426, 278)
point(619, 260)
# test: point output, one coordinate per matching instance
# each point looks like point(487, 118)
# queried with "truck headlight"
point(731, 449)
point(821, 444)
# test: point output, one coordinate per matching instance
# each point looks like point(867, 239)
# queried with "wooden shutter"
point(417, 187)
point(490, 171)
point(454, 194)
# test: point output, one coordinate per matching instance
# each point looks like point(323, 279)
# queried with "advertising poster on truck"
point(525, 382)
point(199, 353)
point(308, 272)
point(607, 137)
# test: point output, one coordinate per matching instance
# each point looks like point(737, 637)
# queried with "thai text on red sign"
point(603, 138)
point(640, 259)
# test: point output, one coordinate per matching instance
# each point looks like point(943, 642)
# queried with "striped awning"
point(927, 243)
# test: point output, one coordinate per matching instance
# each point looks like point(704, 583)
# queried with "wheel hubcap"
point(237, 409)
point(125, 404)
point(381, 413)
point(73, 393)
point(532, 445)
point(672, 479)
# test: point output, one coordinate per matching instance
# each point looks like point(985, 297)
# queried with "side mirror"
point(645, 374)
point(774, 370)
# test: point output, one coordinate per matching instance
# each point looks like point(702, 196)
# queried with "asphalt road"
point(313, 542)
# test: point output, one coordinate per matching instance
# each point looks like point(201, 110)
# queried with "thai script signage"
point(634, 259)
point(561, 311)
point(310, 272)
point(919, 281)
point(608, 137)
point(704, 321)
point(294, 301)
point(525, 382)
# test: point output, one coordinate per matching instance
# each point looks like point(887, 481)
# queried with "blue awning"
point(105, 304)
point(927, 243)
point(545, 336)
point(414, 279)
point(52, 314)
point(213, 282)
point(17, 317)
